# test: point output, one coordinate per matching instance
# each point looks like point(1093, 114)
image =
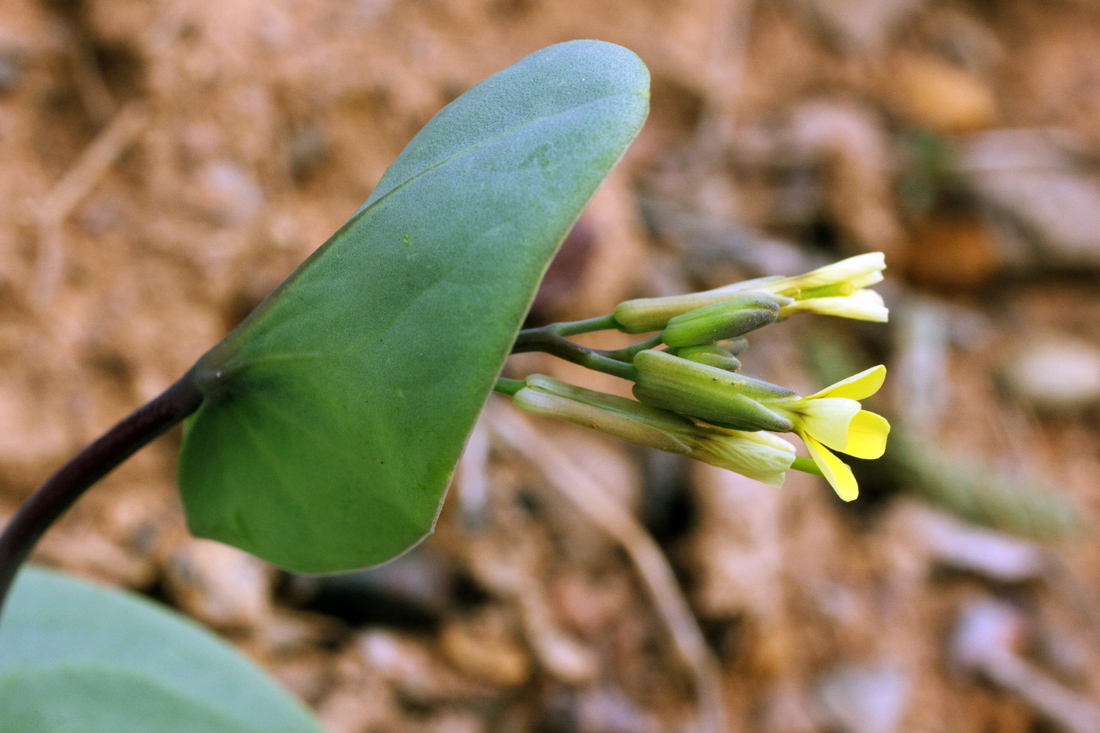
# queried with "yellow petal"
point(863, 305)
point(867, 435)
point(854, 269)
point(827, 419)
point(866, 281)
point(856, 387)
point(835, 470)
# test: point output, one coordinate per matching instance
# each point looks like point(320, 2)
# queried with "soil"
point(166, 164)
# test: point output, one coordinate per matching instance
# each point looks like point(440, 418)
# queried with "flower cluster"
point(757, 455)
point(692, 399)
point(839, 289)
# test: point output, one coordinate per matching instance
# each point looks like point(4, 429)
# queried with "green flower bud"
point(758, 455)
point(711, 355)
point(720, 321)
point(707, 393)
point(735, 346)
point(758, 389)
point(644, 315)
point(617, 416)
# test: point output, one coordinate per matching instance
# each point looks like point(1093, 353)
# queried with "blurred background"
point(165, 163)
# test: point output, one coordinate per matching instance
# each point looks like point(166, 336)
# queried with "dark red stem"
point(53, 498)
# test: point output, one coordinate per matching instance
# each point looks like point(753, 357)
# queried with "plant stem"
point(806, 465)
point(547, 339)
point(572, 328)
point(508, 386)
point(630, 352)
point(61, 490)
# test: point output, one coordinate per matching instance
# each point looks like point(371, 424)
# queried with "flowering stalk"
point(693, 400)
point(758, 455)
point(838, 289)
point(831, 418)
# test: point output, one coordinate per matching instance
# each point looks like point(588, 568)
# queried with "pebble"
point(359, 706)
point(484, 648)
point(596, 710)
point(1033, 179)
point(987, 631)
point(228, 193)
point(219, 585)
point(863, 699)
point(956, 251)
point(416, 673)
point(563, 657)
point(87, 552)
point(960, 546)
point(939, 95)
point(1056, 374)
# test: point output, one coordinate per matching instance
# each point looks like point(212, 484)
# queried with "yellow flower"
point(861, 305)
point(856, 272)
point(838, 289)
point(833, 418)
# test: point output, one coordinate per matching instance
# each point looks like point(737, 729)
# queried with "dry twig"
point(73, 187)
point(587, 495)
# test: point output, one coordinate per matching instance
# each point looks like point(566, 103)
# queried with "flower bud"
point(851, 274)
point(711, 355)
point(705, 392)
point(735, 346)
point(861, 305)
point(617, 416)
point(644, 315)
point(720, 321)
point(758, 455)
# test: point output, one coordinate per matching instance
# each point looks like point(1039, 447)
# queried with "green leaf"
point(78, 657)
point(334, 415)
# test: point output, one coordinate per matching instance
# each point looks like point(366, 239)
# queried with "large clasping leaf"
point(334, 415)
point(78, 657)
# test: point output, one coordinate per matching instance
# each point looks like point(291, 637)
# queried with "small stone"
point(415, 672)
point(785, 709)
point(229, 194)
point(957, 251)
point(850, 147)
point(484, 647)
point(1032, 180)
point(597, 710)
point(1056, 374)
point(358, 706)
point(870, 699)
point(87, 552)
point(563, 657)
point(219, 585)
point(942, 96)
point(961, 546)
point(987, 631)
point(307, 674)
